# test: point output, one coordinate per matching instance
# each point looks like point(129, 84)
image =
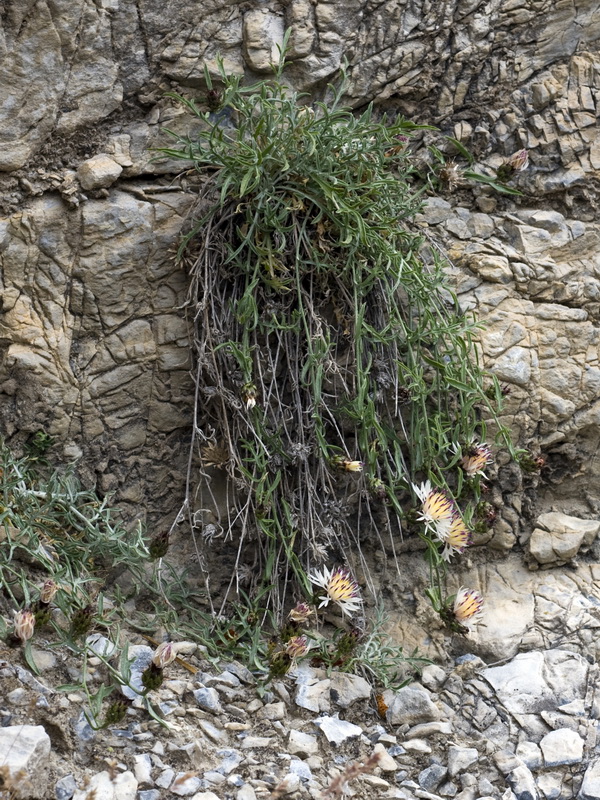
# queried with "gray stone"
point(148, 794)
point(530, 754)
point(590, 788)
point(562, 746)
point(245, 793)
point(460, 759)
point(98, 172)
point(411, 705)
point(431, 777)
point(142, 769)
point(346, 689)
point(337, 731)
point(436, 210)
point(185, 784)
point(208, 700)
point(109, 787)
point(301, 769)
point(314, 696)
point(522, 782)
point(65, 788)
point(27, 748)
point(534, 681)
point(302, 744)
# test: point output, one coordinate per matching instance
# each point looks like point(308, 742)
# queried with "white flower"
point(468, 607)
point(437, 509)
point(340, 588)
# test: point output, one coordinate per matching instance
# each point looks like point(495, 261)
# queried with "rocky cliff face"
point(94, 342)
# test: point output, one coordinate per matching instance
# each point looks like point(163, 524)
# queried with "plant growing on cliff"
point(334, 369)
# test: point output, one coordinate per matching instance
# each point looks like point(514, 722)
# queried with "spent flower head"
point(24, 624)
point(340, 588)
point(48, 590)
point(437, 509)
point(301, 613)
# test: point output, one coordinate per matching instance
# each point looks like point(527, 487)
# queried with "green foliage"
point(334, 367)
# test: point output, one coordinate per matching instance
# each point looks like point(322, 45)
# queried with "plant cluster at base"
point(336, 376)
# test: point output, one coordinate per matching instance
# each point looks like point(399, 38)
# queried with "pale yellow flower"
point(340, 588)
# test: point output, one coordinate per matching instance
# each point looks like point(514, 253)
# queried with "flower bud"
point(24, 623)
point(82, 620)
point(152, 677)
point(164, 654)
point(159, 545)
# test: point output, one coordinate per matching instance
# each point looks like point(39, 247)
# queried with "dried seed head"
point(47, 592)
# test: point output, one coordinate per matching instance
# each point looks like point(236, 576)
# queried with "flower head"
point(458, 539)
point(476, 459)
point(300, 613)
point(24, 623)
point(346, 465)
point(47, 592)
point(164, 654)
point(519, 160)
point(467, 608)
point(297, 647)
point(340, 588)
point(249, 396)
point(437, 509)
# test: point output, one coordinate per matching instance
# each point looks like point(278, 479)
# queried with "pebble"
point(302, 744)
point(460, 758)
point(411, 705)
point(562, 746)
point(208, 700)
point(336, 730)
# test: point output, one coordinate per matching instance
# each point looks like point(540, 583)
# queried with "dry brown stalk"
point(337, 787)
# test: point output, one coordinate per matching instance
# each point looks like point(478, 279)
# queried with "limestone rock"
point(107, 787)
point(347, 689)
point(590, 788)
point(98, 172)
point(562, 746)
point(26, 748)
point(337, 731)
point(411, 704)
point(532, 680)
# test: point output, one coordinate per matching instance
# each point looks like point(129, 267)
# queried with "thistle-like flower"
point(164, 654)
point(24, 624)
point(297, 647)
point(467, 608)
point(301, 613)
point(340, 588)
point(516, 163)
point(458, 539)
point(437, 509)
point(476, 459)
point(519, 160)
